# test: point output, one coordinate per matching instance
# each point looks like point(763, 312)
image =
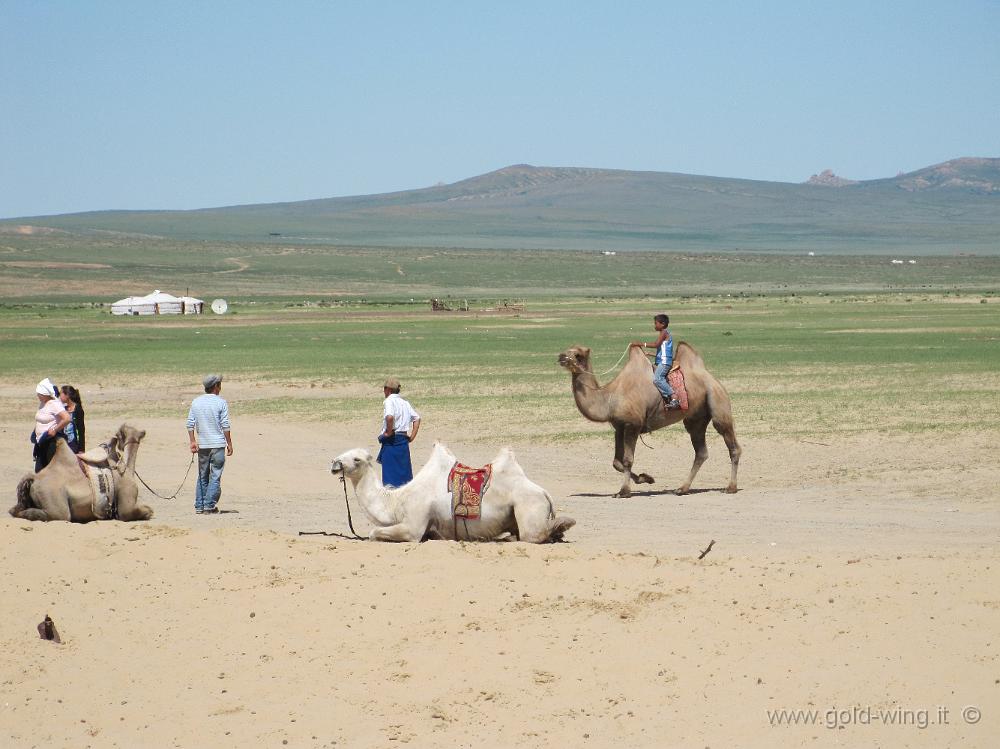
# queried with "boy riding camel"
point(664, 346)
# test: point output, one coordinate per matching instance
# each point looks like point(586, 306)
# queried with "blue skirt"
point(394, 455)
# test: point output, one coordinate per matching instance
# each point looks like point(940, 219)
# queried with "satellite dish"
point(220, 306)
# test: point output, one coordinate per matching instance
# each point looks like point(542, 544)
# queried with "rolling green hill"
point(945, 209)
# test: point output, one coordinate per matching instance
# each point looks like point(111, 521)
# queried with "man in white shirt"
point(400, 424)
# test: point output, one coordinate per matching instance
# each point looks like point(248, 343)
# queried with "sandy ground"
point(859, 579)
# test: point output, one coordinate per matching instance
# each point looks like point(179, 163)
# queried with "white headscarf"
point(45, 387)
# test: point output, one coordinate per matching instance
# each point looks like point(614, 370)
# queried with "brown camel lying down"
point(61, 490)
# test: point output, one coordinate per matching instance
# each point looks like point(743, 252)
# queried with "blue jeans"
point(660, 380)
point(208, 486)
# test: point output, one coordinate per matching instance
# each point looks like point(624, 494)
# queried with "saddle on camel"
point(467, 486)
point(100, 466)
point(676, 379)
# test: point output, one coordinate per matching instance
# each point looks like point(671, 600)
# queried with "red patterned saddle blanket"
point(676, 379)
point(467, 486)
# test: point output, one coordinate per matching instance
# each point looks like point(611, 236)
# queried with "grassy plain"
point(806, 344)
point(794, 365)
point(101, 269)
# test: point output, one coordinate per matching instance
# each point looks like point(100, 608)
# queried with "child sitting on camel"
point(664, 346)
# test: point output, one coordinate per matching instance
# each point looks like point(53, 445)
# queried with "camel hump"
point(95, 456)
point(507, 461)
point(442, 453)
point(688, 356)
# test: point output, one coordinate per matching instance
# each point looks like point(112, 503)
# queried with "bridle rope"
point(343, 483)
point(350, 523)
point(615, 366)
point(174, 495)
point(597, 386)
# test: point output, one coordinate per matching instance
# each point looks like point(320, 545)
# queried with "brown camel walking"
point(633, 405)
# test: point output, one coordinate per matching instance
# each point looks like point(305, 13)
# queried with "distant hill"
point(827, 178)
point(970, 175)
point(942, 209)
point(973, 175)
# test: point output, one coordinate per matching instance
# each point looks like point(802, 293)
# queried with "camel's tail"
point(720, 407)
point(23, 495)
point(557, 525)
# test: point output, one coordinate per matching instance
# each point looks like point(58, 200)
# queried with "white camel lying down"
point(422, 509)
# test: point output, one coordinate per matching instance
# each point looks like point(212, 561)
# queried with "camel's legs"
point(128, 503)
point(57, 510)
point(729, 435)
point(629, 437)
point(398, 532)
point(625, 445)
point(619, 462)
point(132, 510)
point(29, 513)
point(619, 448)
point(696, 426)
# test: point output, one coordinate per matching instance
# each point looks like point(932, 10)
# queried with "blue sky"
point(195, 104)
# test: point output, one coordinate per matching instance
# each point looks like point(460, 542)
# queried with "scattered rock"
point(47, 630)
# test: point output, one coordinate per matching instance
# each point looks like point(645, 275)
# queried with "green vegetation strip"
point(98, 269)
point(860, 365)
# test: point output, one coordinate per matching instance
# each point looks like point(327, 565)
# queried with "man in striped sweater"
point(209, 419)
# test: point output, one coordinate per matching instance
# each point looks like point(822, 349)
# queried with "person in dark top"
point(76, 430)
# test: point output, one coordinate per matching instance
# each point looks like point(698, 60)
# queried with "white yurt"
point(133, 305)
point(157, 303)
point(166, 304)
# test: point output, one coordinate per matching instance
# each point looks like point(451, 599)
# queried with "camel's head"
point(352, 463)
point(576, 359)
point(127, 434)
point(123, 446)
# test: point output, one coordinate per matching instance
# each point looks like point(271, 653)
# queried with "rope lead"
point(172, 496)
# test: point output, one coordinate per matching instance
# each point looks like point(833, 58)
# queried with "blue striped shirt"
point(209, 417)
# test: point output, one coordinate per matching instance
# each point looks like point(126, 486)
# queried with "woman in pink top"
point(50, 420)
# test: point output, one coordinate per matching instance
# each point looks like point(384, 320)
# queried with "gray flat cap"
point(211, 381)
